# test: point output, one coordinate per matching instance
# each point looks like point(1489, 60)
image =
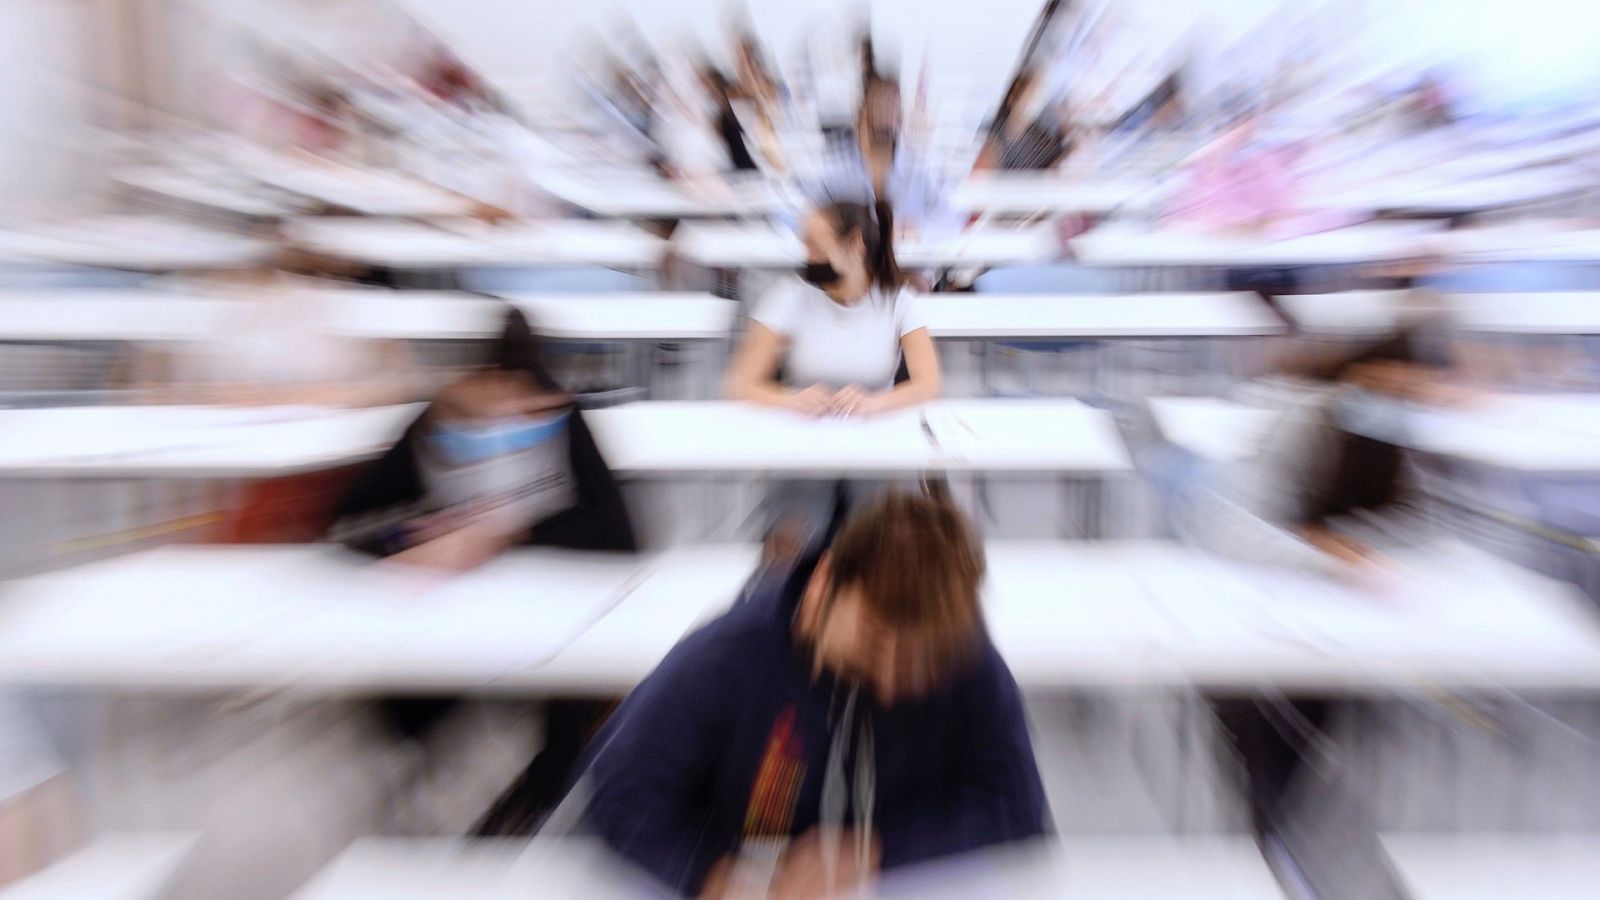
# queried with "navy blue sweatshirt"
point(729, 738)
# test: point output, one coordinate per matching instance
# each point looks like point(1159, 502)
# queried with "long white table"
point(193, 441)
point(1216, 429)
point(648, 196)
point(1380, 312)
point(138, 243)
point(1539, 313)
point(308, 618)
point(481, 869)
point(762, 246)
point(1034, 316)
point(1123, 867)
point(991, 437)
point(1142, 246)
point(136, 315)
point(1148, 614)
point(1489, 866)
point(469, 244)
point(1525, 433)
point(219, 192)
point(117, 866)
point(1031, 193)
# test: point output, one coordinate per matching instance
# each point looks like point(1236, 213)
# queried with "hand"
point(811, 401)
point(460, 550)
point(853, 401)
point(801, 874)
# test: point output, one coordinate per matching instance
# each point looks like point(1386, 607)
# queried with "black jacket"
point(391, 489)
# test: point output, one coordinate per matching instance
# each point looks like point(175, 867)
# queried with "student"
point(502, 458)
point(1024, 134)
point(839, 339)
point(851, 718)
point(879, 167)
point(833, 347)
point(725, 120)
point(1327, 491)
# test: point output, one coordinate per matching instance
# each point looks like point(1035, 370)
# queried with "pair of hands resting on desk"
point(818, 401)
point(802, 873)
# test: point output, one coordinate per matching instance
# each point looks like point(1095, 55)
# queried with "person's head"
point(716, 84)
point(849, 249)
point(893, 603)
point(509, 400)
point(878, 121)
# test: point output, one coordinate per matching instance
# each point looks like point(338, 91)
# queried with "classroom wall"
point(42, 99)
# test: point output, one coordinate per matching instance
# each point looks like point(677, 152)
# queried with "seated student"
point(839, 339)
point(501, 458)
point(1327, 491)
point(855, 715)
point(880, 166)
point(838, 342)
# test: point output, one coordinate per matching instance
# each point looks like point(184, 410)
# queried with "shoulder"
point(783, 302)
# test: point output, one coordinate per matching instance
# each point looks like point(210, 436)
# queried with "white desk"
point(1534, 242)
point(1128, 245)
point(115, 866)
point(1034, 316)
point(1349, 313)
point(210, 192)
point(637, 196)
point(1431, 197)
point(136, 315)
point(1477, 866)
point(991, 437)
point(762, 246)
point(193, 441)
point(1547, 313)
point(1029, 193)
point(365, 191)
point(1130, 867)
point(140, 243)
point(641, 316)
point(466, 244)
point(1216, 429)
point(1123, 868)
point(1064, 614)
point(480, 869)
point(1556, 434)
point(303, 618)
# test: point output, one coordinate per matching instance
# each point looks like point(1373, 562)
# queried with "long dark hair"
point(876, 225)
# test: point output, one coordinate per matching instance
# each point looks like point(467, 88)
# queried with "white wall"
point(43, 44)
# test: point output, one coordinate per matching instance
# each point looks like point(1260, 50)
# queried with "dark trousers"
point(569, 724)
point(1270, 739)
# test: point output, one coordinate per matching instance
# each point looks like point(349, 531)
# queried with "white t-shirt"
point(839, 345)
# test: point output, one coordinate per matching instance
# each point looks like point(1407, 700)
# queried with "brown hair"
point(918, 566)
point(876, 225)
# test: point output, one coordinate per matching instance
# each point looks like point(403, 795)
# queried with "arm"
point(648, 773)
point(751, 375)
point(922, 367)
point(996, 795)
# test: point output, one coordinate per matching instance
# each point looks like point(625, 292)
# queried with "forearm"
point(909, 393)
point(761, 392)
